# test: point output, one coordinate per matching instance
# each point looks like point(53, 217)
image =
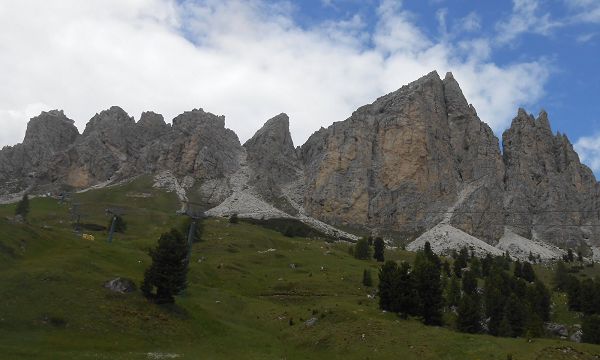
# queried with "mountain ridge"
point(394, 168)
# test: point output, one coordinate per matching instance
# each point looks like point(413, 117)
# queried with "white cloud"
point(585, 10)
point(470, 23)
point(247, 60)
point(588, 148)
point(525, 18)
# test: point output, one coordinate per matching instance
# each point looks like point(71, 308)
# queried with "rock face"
point(403, 161)
point(276, 170)
point(411, 163)
point(549, 195)
point(27, 164)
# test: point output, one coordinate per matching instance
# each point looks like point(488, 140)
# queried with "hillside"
point(244, 294)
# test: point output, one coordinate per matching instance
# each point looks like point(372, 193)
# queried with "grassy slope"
point(238, 304)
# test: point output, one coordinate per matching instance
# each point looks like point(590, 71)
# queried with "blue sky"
point(317, 60)
point(571, 49)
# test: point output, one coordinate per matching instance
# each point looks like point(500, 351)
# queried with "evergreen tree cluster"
point(582, 296)
point(516, 305)
point(511, 303)
point(362, 249)
point(416, 290)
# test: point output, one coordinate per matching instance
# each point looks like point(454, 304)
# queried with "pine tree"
point(361, 250)
point(453, 292)
point(469, 283)
point(379, 249)
point(495, 295)
point(461, 261)
point(591, 329)
point(446, 268)
point(516, 312)
point(405, 293)
point(475, 266)
point(587, 295)
point(570, 256)
point(429, 290)
point(580, 256)
point(539, 300)
point(504, 329)
point(561, 277)
point(573, 289)
point(234, 219)
point(486, 264)
point(518, 271)
point(387, 281)
point(168, 271)
point(528, 273)
point(367, 279)
point(22, 208)
point(469, 314)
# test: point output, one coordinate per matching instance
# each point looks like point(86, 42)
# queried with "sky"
point(316, 60)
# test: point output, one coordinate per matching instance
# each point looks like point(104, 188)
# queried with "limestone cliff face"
point(276, 170)
point(479, 165)
point(22, 165)
point(390, 165)
point(549, 195)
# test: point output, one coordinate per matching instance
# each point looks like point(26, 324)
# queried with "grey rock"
point(29, 164)
point(276, 170)
point(120, 285)
point(558, 330)
point(311, 322)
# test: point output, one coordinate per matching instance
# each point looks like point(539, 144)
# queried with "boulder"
point(120, 285)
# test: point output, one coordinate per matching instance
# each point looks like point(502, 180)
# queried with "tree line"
point(510, 303)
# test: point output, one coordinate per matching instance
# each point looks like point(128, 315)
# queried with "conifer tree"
point(367, 280)
point(168, 271)
point(516, 312)
point(378, 249)
point(561, 277)
point(591, 329)
point(528, 273)
point(504, 329)
point(461, 261)
point(387, 282)
point(570, 256)
point(361, 250)
point(469, 283)
point(518, 271)
point(428, 285)
point(469, 314)
point(22, 208)
point(405, 293)
point(453, 292)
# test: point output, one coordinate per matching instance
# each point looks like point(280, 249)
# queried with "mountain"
point(416, 160)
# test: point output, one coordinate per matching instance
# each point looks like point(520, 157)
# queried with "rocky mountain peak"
point(190, 120)
point(275, 132)
point(50, 132)
point(110, 122)
point(272, 157)
point(152, 125)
